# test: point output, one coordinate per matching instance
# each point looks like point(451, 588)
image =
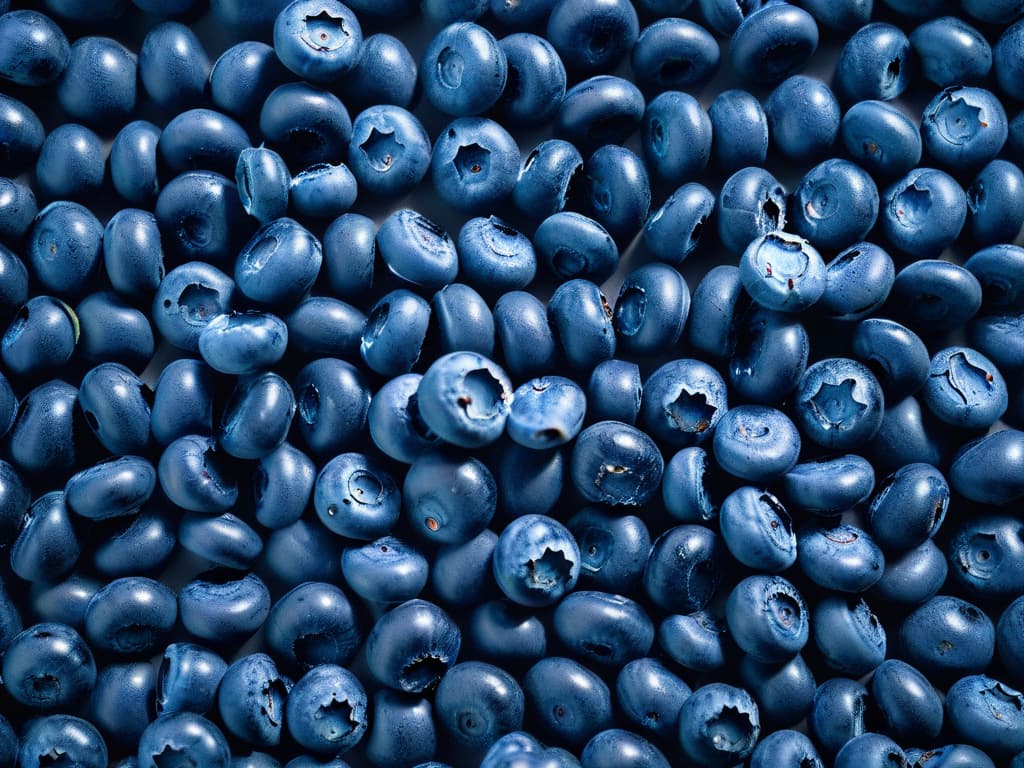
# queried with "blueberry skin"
point(71, 738)
point(318, 41)
point(986, 556)
point(461, 575)
point(305, 124)
point(279, 264)
point(950, 51)
point(986, 713)
point(416, 250)
point(349, 249)
point(756, 443)
point(403, 731)
point(64, 248)
point(674, 231)
point(321, 326)
point(993, 11)
point(187, 679)
point(603, 629)
point(71, 163)
point(650, 695)
point(465, 398)
point(14, 502)
point(676, 137)
point(355, 497)
point(572, 245)
point(17, 210)
point(201, 217)
point(829, 486)
point(529, 481)
point(684, 568)
point(546, 180)
point(965, 389)
point(923, 212)
point(388, 570)
point(568, 701)
point(440, 13)
point(783, 692)
point(617, 747)
point(1005, 56)
point(947, 637)
point(474, 164)
point(133, 163)
point(615, 463)
point(251, 700)
point(476, 703)
point(1000, 270)
point(111, 488)
point(614, 550)
point(522, 15)
point(839, 404)
point(850, 637)
point(896, 353)
point(836, 205)
point(385, 73)
point(995, 202)
point(202, 139)
point(182, 401)
point(412, 646)
point(870, 749)
point(393, 335)
point(536, 561)
point(768, 618)
point(332, 400)
point(600, 110)
point(503, 632)
point(223, 607)
point(463, 70)
point(673, 54)
point(1008, 639)
point(718, 299)
point(35, 48)
point(695, 641)
point(133, 256)
point(47, 545)
point(838, 714)
point(256, 418)
point(582, 322)
point(21, 134)
point(495, 257)
point(262, 760)
point(990, 470)
point(240, 343)
point(135, 545)
point(130, 616)
point(785, 747)
point(394, 421)
point(48, 667)
point(112, 400)
point(751, 203)
point(964, 127)
point(300, 552)
point(683, 402)
point(464, 319)
point(322, 191)
point(758, 530)
point(725, 17)
point(701, 720)
point(908, 434)
point(839, 557)
point(591, 36)
point(312, 624)
point(546, 412)
point(98, 86)
point(909, 507)
point(910, 707)
point(881, 138)
point(195, 477)
point(874, 64)
point(243, 76)
point(263, 182)
point(740, 130)
point(803, 117)
point(449, 498)
point(42, 436)
point(913, 577)
point(535, 82)
point(41, 338)
point(189, 735)
point(115, 331)
point(173, 67)
point(768, 47)
point(225, 540)
point(13, 282)
point(389, 152)
point(617, 191)
point(513, 748)
point(684, 487)
point(525, 336)
point(770, 356)
point(614, 392)
point(954, 756)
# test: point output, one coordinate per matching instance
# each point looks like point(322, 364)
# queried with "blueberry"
point(785, 747)
point(305, 124)
point(111, 488)
point(849, 635)
point(896, 354)
point(603, 629)
point(412, 646)
point(695, 641)
point(120, 701)
point(674, 54)
point(909, 705)
point(114, 330)
point(839, 557)
point(64, 248)
point(985, 555)
point(535, 81)
point(914, 576)
point(188, 678)
point(389, 151)
point(41, 338)
point(947, 637)
point(476, 703)
point(536, 561)
point(133, 162)
point(923, 212)
point(767, 47)
point(881, 138)
point(839, 403)
point(183, 736)
point(130, 616)
point(951, 52)
point(251, 700)
point(173, 66)
point(318, 41)
point(464, 70)
point(504, 632)
point(870, 749)
point(385, 72)
point(355, 497)
point(674, 230)
point(349, 249)
point(592, 36)
point(115, 408)
point(784, 691)
point(312, 624)
point(332, 401)
point(474, 164)
point(525, 336)
point(908, 507)
point(986, 713)
point(465, 398)
point(719, 725)
point(995, 203)
point(756, 443)
point(617, 747)
point(740, 128)
point(17, 209)
point(416, 250)
point(36, 51)
point(600, 110)
point(223, 606)
point(402, 731)
point(751, 203)
point(676, 137)
point(568, 701)
point(964, 388)
point(964, 127)
point(243, 76)
point(770, 356)
point(464, 319)
point(874, 64)
point(838, 714)
point(614, 549)
point(68, 737)
point(757, 530)
point(529, 481)
point(686, 556)
point(650, 695)
point(546, 179)
point(572, 245)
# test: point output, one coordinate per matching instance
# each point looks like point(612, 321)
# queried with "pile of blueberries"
point(292, 476)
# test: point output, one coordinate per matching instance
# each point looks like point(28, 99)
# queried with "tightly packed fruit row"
point(511, 383)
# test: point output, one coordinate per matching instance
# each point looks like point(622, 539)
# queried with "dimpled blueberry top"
point(511, 383)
